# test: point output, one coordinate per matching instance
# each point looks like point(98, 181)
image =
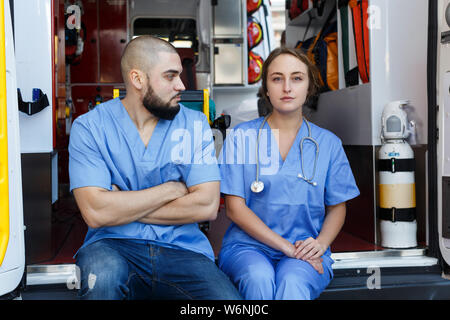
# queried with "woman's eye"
point(297, 78)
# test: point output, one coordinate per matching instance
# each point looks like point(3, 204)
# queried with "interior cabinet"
point(105, 38)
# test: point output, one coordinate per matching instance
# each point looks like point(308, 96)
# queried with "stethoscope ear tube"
point(309, 137)
point(258, 186)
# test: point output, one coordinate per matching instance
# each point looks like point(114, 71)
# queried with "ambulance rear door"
point(443, 123)
point(12, 250)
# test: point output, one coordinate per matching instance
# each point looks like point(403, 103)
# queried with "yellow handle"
point(206, 104)
point(116, 93)
point(4, 183)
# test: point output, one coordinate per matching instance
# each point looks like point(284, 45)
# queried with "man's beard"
point(159, 108)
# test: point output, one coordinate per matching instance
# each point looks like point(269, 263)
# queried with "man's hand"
point(179, 188)
point(195, 204)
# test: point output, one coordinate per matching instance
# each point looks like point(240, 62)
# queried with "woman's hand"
point(290, 251)
point(309, 249)
point(316, 264)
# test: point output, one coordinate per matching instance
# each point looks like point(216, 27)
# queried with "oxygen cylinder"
point(397, 195)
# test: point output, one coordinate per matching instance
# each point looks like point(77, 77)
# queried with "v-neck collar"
point(296, 142)
point(131, 132)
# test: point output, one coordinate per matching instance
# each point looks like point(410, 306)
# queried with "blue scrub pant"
point(258, 276)
point(113, 269)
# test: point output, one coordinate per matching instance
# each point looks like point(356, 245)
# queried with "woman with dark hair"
point(285, 182)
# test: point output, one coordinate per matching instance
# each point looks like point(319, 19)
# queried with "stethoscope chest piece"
point(257, 186)
point(313, 183)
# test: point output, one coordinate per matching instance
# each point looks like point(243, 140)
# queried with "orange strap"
point(332, 61)
point(361, 33)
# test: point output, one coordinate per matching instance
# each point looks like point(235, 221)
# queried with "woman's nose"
point(287, 86)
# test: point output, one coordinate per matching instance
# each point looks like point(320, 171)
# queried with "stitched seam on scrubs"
point(212, 178)
point(233, 193)
point(347, 198)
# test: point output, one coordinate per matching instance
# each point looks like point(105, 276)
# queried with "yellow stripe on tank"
point(397, 195)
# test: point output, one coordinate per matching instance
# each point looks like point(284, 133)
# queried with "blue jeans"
point(115, 269)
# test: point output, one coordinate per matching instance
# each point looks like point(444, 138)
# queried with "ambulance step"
point(406, 283)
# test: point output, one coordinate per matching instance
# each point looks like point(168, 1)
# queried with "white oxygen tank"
point(397, 195)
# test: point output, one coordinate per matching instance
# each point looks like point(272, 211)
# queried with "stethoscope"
point(258, 186)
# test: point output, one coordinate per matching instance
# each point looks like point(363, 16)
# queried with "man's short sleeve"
point(87, 168)
point(232, 171)
point(204, 167)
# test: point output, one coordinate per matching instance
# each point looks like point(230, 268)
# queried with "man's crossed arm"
point(170, 203)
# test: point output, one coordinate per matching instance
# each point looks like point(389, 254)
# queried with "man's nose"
point(179, 86)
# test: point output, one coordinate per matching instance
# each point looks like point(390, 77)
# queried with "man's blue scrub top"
point(288, 205)
point(105, 148)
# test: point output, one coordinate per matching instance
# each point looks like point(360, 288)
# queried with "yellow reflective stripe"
point(206, 104)
point(397, 195)
point(4, 189)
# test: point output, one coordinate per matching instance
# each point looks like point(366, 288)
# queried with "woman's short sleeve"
point(340, 184)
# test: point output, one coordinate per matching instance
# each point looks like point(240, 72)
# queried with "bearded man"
point(141, 205)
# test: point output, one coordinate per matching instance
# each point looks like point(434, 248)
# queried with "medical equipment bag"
point(322, 50)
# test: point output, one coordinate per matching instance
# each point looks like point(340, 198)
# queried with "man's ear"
point(136, 78)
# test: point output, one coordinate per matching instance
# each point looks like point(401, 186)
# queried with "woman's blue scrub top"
point(105, 148)
point(288, 205)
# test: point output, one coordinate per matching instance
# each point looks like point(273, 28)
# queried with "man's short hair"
point(141, 53)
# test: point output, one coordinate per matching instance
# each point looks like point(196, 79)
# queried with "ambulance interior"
point(87, 72)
